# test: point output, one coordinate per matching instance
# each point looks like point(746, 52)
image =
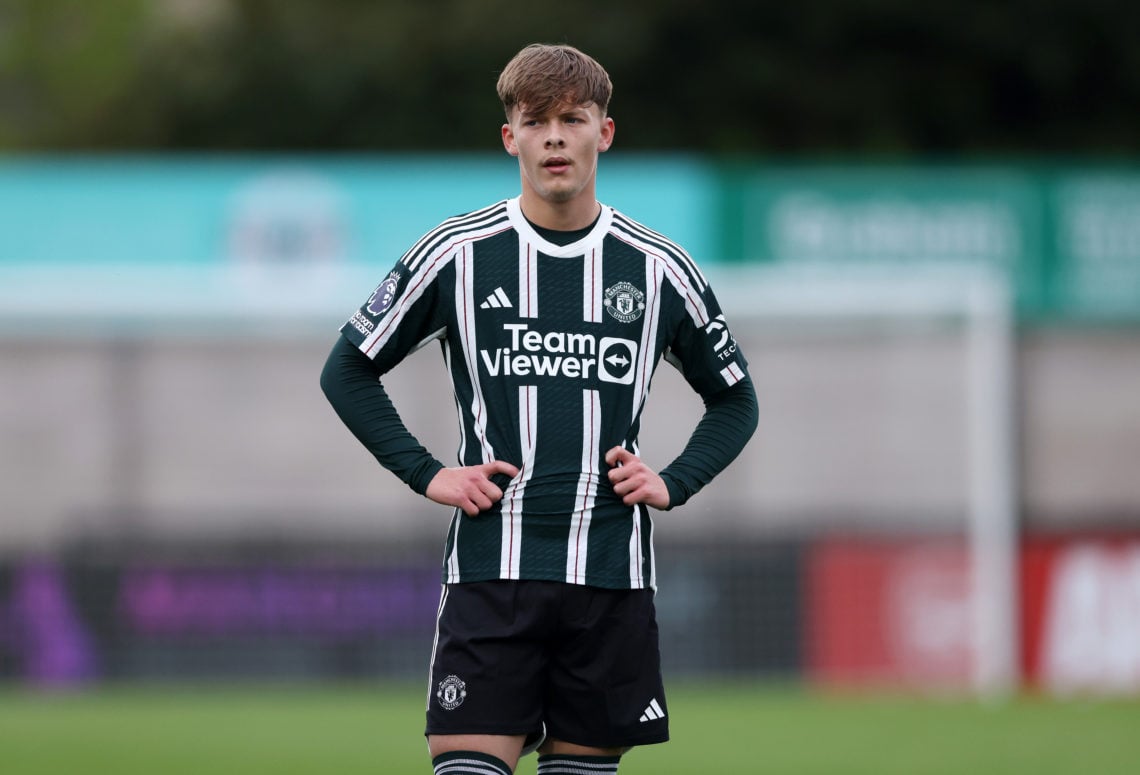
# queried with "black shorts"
point(515, 657)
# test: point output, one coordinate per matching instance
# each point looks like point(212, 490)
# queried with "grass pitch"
point(716, 729)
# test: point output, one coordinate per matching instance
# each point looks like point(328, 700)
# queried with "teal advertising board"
point(894, 216)
point(194, 243)
point(203, 210)
point(1067, 237)
point(1095, 244)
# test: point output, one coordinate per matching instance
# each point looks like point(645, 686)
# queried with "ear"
point(509, 140)
point(607, 136)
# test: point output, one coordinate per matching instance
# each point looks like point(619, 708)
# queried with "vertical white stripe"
point(447, 362)
point(652, 581)
point(578, 540)
point(592, 290)
point(512, 509)
point(435, 641)
point(452, 560)
point(513, 496)
point(731, 374)
point(453, 556)
point(586, 495)
point(653, 278)
point(528, 280)
point(635, 556)
point(465, 308)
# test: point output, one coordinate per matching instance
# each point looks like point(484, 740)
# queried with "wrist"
point(677, 493)
point(422, 479)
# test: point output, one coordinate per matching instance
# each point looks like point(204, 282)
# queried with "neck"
point(577, 213)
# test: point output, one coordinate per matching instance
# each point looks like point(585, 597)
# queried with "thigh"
point(488, 665)
point(605, 687)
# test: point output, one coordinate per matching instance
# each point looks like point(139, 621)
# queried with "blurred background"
point(923, 221)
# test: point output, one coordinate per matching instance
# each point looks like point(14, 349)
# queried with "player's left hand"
point(634, 481)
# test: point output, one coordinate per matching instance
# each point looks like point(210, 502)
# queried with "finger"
point(626, 480)
point(500, 467)
point(481, 500)
point(629, 493)
point(474, 502)
point(629, 466)
point(491, 491)
point(643, 493)
point(618, 455)
point(617, 476)
point(623, 489)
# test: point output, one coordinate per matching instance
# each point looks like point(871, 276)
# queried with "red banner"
point(888, 613)
point(898, 613)
point(1080, 618)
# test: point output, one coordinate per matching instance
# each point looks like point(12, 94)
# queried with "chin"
point(560, 195)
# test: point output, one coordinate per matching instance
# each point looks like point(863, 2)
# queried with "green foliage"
point(64, 64)
point(883, 77)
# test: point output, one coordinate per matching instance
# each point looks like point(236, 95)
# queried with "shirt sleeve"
point(703, 349)
point(400, 316)
point(351, 382)
point(728, 423)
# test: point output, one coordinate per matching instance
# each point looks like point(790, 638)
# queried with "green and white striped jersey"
point(550, 350)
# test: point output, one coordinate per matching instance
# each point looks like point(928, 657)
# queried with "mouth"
point(556, 164)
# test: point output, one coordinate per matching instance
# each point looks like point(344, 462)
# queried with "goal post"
point(978, 299)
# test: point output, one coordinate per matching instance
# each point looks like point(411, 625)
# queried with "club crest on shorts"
point(384, 295)
point(451, 692)
point(624, 302)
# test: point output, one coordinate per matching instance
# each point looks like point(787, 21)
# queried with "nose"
point(554, 137)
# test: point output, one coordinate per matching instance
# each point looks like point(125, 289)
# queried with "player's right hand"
point(470, 487)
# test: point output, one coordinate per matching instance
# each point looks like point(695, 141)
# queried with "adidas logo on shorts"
point(653, 712)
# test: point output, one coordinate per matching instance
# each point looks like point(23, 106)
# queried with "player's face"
point(558, 151)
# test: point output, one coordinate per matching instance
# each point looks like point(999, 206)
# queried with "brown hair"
point(542, 77)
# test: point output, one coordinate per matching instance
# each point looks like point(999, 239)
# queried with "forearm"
point(729, 420)
point(352, 385)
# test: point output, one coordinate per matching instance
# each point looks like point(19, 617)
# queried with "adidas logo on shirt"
point(653, 712)
point(496, 300)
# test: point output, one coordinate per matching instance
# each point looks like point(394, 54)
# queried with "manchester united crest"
point(451, 693)
point(624, 302)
